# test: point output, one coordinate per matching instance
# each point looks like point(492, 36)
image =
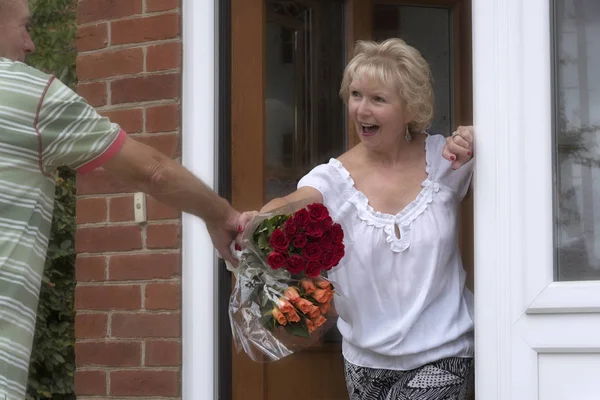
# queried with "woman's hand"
point(243, 221)
point(459, 147)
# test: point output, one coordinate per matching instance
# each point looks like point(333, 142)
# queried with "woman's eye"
point(379, 99)
point(355, 93)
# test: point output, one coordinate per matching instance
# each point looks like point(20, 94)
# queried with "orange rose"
point(284, 305)
point(308, 285)
point(292, 316)
point(323, 284)
point(324, 307)
point(304, 305)
point(321, 295)
point(314, 311)
point(278, 315)
point(330, 295)
point(311, 326)
point(291, 294)
point(320, 320)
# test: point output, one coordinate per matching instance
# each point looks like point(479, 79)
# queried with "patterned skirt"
point(446, 379)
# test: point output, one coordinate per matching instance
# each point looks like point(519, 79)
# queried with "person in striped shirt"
point(44, 125)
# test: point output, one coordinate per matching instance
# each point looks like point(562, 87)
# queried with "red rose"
point(279, 241)
point(314, 230)
point(337, 234)
point(295, 264)
point(276, 260)
point(300, 242)
point(301, 218)
point(317, 212)
point(313, 268)
point(290, 228)
point(338, 250)
point(326, 223)
point(325, 242)
point(328, 261)
point(312, 252)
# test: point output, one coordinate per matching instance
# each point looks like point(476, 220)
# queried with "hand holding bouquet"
point(282, 298)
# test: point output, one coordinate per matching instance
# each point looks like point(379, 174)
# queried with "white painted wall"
point(199, 132)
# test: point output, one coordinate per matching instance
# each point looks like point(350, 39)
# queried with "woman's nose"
point(363, 108)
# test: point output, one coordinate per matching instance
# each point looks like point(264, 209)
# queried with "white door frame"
point(520, 312)
point(199, 133)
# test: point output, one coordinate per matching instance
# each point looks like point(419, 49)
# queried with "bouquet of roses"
point(281, 302)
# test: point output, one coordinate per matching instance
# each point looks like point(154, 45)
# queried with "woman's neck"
point(395, 153)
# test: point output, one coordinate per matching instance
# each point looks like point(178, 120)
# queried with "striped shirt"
point(43, 125)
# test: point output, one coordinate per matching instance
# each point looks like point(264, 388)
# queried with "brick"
point(163, 118)
point(90, 210)
point(144, 266)
point(163, 296)
point(145, 29)
point(88, 269)
point(145, 325)
point(92, 37)
point(144, 383)
point(101, 181)
point(109, 238)
point(145, 88)
point(98, 10)
point(104, 64)
point(108, 297)
point(166, 144)
point(121, 209)
point(157, 210)
point(93, 93)
point(164, 56)
point(161, 5)
point(163, 353)
point(165, 236)
point(91, 326)
point(108, 354)
point(90, 383)
point(131, 120)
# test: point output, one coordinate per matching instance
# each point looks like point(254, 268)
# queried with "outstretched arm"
point(170, 183)
point(305, 194)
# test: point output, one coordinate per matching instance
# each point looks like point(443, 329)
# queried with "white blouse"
point(404, 301)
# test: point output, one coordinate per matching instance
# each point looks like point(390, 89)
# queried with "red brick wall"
point(128, 293)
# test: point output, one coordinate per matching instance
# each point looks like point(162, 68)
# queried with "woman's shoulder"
point(351, 160)
point(331, 179)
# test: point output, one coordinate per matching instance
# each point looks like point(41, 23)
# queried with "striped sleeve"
point(72, 133)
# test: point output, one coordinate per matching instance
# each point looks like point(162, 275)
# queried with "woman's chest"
point(390, 193)
point(429, 222)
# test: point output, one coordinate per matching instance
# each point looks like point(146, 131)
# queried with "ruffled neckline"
point(405, 217)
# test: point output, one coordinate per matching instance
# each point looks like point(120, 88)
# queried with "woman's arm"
point(305, 194)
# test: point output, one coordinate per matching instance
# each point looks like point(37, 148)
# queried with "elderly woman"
point(406, 317)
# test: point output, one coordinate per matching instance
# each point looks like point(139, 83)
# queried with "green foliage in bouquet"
point(52, 367)
point(264, 231)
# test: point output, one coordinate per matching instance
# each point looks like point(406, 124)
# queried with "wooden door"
point(287, 60)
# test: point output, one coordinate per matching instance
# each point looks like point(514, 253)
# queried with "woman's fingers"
point(459, 147)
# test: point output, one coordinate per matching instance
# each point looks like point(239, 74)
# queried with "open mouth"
point(369, 129)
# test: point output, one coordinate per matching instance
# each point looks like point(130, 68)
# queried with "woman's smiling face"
point(378, 112)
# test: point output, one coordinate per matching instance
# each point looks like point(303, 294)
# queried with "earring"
point(407, 135)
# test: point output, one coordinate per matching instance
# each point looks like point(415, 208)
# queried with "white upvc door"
point(537, 199)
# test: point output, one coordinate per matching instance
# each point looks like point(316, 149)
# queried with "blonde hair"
point(394, 63)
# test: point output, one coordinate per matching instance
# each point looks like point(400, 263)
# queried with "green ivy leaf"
point(263, 241)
